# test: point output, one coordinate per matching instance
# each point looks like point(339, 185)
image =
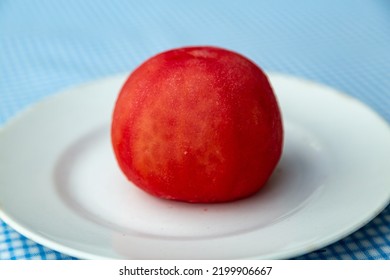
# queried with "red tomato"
point(197, 124)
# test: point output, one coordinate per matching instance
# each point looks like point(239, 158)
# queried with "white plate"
point(60, 184)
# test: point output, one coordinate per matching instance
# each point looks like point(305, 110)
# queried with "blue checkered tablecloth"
point(46, 46)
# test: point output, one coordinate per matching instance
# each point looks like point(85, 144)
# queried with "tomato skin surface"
point(197, 124)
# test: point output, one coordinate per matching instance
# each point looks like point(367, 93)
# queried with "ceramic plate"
point(60, 184)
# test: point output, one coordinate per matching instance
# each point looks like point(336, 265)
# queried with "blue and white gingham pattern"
point(46, 46)
point(14, 246)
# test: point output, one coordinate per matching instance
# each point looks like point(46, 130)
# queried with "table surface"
point(46, 46)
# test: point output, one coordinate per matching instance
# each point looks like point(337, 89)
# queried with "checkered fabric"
point(46, 46)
